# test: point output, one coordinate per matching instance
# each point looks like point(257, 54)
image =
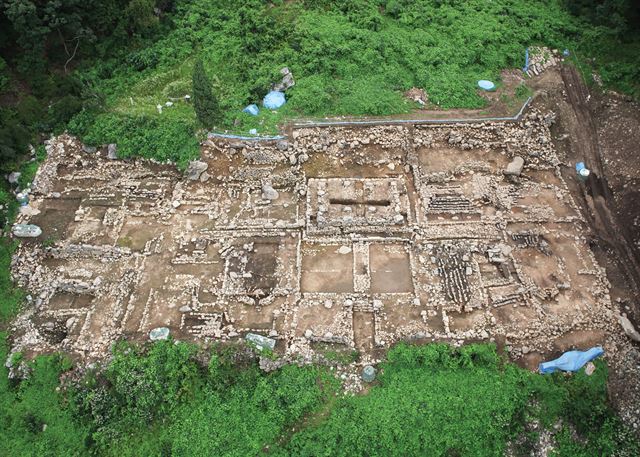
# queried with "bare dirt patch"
point(356, 237)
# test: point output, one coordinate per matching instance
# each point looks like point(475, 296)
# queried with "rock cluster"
point(542, 58)
point(357, 237)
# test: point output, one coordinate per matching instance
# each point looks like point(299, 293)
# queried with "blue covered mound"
point(486, 85)
point(571, 361)
point(274, 100)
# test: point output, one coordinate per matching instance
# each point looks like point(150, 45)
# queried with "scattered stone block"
point(195, 169)
point(514, 168)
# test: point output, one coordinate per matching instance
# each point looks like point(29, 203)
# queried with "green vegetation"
point(170, 139)
point(428, 400)
point(435, 400)
point(35, 419)
point(10, 297)
point(205, 103)
point(335, 354)
point(99, 69)
point(107, 65)
point(609, 42)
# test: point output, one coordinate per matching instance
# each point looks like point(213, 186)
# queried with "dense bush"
point(165, 401)
point(348, 58)
point(35, 419)
point(144, 136)
point(10, 297)
point(431, 400)
point(428, 400)
point(205, 103)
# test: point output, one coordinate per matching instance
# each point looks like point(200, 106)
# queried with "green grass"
point(343, 356)
point(35, 419)
point(10, 297)
point(428, 400)
point(28, 169)
point(348, 58)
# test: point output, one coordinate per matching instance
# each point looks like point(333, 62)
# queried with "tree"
point(204, 102)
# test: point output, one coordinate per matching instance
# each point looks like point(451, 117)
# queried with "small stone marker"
point(159, 333)
point(260, 341)
point(112, 151)
point(368, 374)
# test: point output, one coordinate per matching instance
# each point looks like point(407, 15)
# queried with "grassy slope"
point(351, 58)
point(429, 400)
point(347, 60)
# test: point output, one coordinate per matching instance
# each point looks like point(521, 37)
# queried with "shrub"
point(204, 102)
point(34, 417)
point(63, 110)
point(31, 112)
point(164, 139)
point(10, 297)
point(143, 59)
point(14, 139)
point(4, 76)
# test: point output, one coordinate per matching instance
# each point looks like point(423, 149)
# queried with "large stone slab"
point(260, 341)
point(26, 231)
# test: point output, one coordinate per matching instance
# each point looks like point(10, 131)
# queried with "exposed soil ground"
point(602, 129)
point(375, 235)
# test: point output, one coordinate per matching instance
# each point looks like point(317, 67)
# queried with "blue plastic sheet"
point(526, 60)
point(252, 109)
point(580, 166)
point(486, 85)
point(274, 100)
point(571, 361)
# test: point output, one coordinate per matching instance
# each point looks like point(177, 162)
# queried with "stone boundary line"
point(312, 124)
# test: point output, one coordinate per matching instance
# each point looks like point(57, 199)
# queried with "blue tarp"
point(274, 100)
point(580, 166)
point(526, 60)
point(486, 85)
point(571, 361)
point(252, 109)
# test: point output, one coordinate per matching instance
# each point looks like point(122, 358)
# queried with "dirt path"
point(596, 196)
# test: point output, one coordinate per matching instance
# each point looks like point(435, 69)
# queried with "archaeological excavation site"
point(367, 228)
point(352, 237)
